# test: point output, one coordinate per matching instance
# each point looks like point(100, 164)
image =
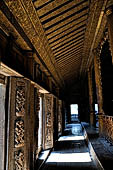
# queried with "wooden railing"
point(106, 127)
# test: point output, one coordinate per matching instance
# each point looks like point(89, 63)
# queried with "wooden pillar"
point(98, 80)
point(57, 91)
point(91, 102)
point(97, 68)
point(109, 13)
point(50, 83)
point(30, 64)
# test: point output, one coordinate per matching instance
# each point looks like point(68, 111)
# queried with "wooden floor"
point(70, 152)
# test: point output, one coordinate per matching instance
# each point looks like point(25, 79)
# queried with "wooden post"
point(50, 83)
point(109, 13)
point(30, 64)
point(97, 68)
point(91, 102)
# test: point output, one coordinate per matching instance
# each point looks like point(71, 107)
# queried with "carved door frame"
point(48, 121)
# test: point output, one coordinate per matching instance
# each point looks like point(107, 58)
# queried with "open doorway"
point(74, 112)
point(96, 115)
point(96, 108)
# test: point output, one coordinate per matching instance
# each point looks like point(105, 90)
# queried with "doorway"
point(74, 112)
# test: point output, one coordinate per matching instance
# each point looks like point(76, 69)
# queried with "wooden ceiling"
point(64, 23)
point(62, 32)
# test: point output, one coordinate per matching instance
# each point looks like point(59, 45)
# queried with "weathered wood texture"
point(109, 13)
point(98, 80)
point(2, 126)
point(91, 99)
point(107, 127)
point(22, 122)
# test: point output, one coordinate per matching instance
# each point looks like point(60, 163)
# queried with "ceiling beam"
point(66, 26)
point(65, 40)
point(67, 63)
point(69, 47)
point(52, 25)
point(71, 50)
point(69, 57)
point(67, 33)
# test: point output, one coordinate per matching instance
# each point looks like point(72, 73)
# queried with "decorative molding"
point(19, 160)
point(109, 11)
point(19, 133)
point(9, 27)
point(28, 19)
point(48, 121)
point(94, 32)
point(18, 146)
point(20, 99)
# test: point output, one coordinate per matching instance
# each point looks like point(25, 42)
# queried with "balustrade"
point(107, 127)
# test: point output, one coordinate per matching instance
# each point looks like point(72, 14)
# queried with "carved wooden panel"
point(48, 121)
point(59, 117)
point(36, 121)
point(19, 103)
point(20, 99)
point(19, 133)
point(106, 123)
point(19, 160)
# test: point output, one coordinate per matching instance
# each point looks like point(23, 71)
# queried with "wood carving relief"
point(37, 108)
point(20, 101)
point(27, 17)
point(19, 160)
point(48, 136)
point(17, 139)
point(19, 125)
point(60, 117)
point(19, 133)
point(48, 122)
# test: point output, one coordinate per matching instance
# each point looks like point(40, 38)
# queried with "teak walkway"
point(71, 152)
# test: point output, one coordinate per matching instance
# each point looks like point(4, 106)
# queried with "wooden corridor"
point(70, 152)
